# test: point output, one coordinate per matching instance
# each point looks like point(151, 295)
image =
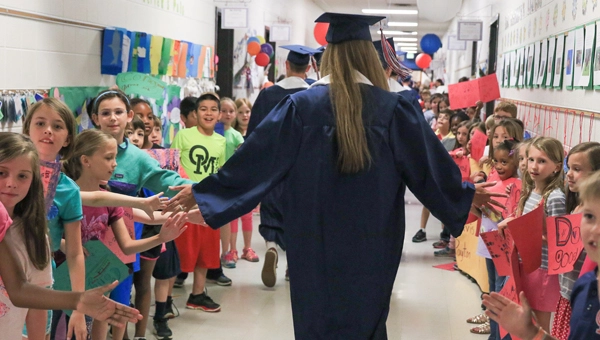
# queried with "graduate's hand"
point(77, 326)
point(173, 227)
point(195, 216)
point(153, 203)
point(182, 202)
point(483, 197)
point(94, 304)
point(514, 318)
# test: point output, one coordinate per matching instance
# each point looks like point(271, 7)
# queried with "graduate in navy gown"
point(395, 70)
point(345, 150)
point(271, 216)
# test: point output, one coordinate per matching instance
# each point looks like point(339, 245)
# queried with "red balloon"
point(262, 59)
point(423, 60)
point(253, 48)
point(320, 32)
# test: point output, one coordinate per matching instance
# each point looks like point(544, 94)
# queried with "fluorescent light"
point(405, 39)
point(410, 55)
point(399, 33)
point(407, 44)
point(402, 24)
point(390, 11)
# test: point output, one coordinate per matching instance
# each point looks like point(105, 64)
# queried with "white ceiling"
point(355, 7)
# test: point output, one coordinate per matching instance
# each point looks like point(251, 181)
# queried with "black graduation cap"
point(379, 49)
point(299, 55)
point(345, 27)
point(319, 54)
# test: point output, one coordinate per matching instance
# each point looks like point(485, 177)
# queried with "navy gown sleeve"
point(427, 168)
point(258, 114)
point(255, 168)
point(411, 98)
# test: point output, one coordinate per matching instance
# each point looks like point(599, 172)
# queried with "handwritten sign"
point(466, 256)
point(467, 93)
point(168, 158)
point(50, 173)
point(101, 268)
point(500, 249)
point(513, 287)
point(465, 167)
point(564, 243)
point(110, 240)
point(512, 203)
point(478, 143)
point(141, 84)
point(527, 234)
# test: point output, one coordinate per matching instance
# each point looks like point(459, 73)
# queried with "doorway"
point(224, 48)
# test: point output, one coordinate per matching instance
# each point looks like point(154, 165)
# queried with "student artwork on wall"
point(165, 57)
point(551, 61)
point(514, 68)
point(559, 61)
point(530, 66)
point(585, 80)
point(537, 64)
point(579, 51)
point(507, 69)
point(596, 63)
point(77, 99)
point(206, 68)
point(112, 50)
point(183, 58)
point(156, 44)
point(545, 64)
point(569, 60)
point(521, 66)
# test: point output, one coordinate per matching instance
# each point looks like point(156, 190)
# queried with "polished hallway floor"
point(427, 303)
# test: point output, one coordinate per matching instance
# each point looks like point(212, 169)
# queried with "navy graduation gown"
point(344, 232)
point(271, 215)
point(411, 97)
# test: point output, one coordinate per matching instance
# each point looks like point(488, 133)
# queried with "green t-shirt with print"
point(233, 140)
point(200, 155)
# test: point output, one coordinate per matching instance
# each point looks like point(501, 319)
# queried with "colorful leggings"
point(246, 223)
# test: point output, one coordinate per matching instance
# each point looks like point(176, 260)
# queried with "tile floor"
point(427, 303)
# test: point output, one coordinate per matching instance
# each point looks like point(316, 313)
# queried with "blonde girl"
point(244, 107)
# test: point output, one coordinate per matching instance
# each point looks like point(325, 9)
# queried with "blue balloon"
point(251, 39)
point(430, 43)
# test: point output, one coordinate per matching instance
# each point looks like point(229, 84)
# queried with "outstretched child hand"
point(153, 203)
point(93, 303)
point(173, 227)
point(514, 318)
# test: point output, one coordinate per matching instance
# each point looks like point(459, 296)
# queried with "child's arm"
point(170, 230)
point(76, 264)
point(36, 323)
point(139, 216)
point(109, 199)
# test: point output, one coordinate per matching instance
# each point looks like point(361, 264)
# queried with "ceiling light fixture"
point(405, 39)
point(399, 32)
point(402, 24)
point(390, 11)
point(407, 44)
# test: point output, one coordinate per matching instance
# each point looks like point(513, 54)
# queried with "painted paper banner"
point(206, 66)
point(467, 259)
point(168, 158)
point(193, 59)
point(156, 46)
point(500, 249)
point(110, 240)
point(564, 243)
point(526, 231)
point(50, 173)
point(183, 52)
point(478, 143)
point(467, 93)
point(174, 67)
point(166, 57)
point(112, 45)
point(141, 84)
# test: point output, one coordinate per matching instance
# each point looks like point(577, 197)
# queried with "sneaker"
point(441, 244)
point(178, 283)
point(202, 302)
point(162, 330)
point(420, 236)
point(446, 252)
point(169, 312)
point(221, 280)
point(269, 271)
point(235, 255)
point(227, 260)
point(249, 255)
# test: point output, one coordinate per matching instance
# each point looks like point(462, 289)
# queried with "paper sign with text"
point(110, 240)
point(467, 93)
point(141, 84)
point(512, 203)
point(500, 249)
point(465, 167)
point(50, 173)
point(564, 243)
point(526, 231)
point(478, 143)
point(512, 287)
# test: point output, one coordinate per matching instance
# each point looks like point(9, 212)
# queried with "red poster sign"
point(527, 234)
point(111, 243)
point(465, 167)
point(478, 143)
point(512, 203)
point(512, 287)
point(500, 249)
point(564, 243)
point(467, 93)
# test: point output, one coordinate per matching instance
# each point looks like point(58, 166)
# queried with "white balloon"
point(439, 10)
point(175, 115)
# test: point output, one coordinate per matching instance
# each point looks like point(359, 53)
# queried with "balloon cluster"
point(430, 43)
point(260, 49)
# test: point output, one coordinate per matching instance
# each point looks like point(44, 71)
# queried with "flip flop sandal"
point(482, 329)
point(479, 319)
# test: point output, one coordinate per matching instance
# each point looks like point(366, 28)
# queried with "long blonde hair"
point(86, 144)
point(30, 213)
point(555, 152)
point(340, 61)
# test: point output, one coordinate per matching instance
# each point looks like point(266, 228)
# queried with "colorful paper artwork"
point(564, 243)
